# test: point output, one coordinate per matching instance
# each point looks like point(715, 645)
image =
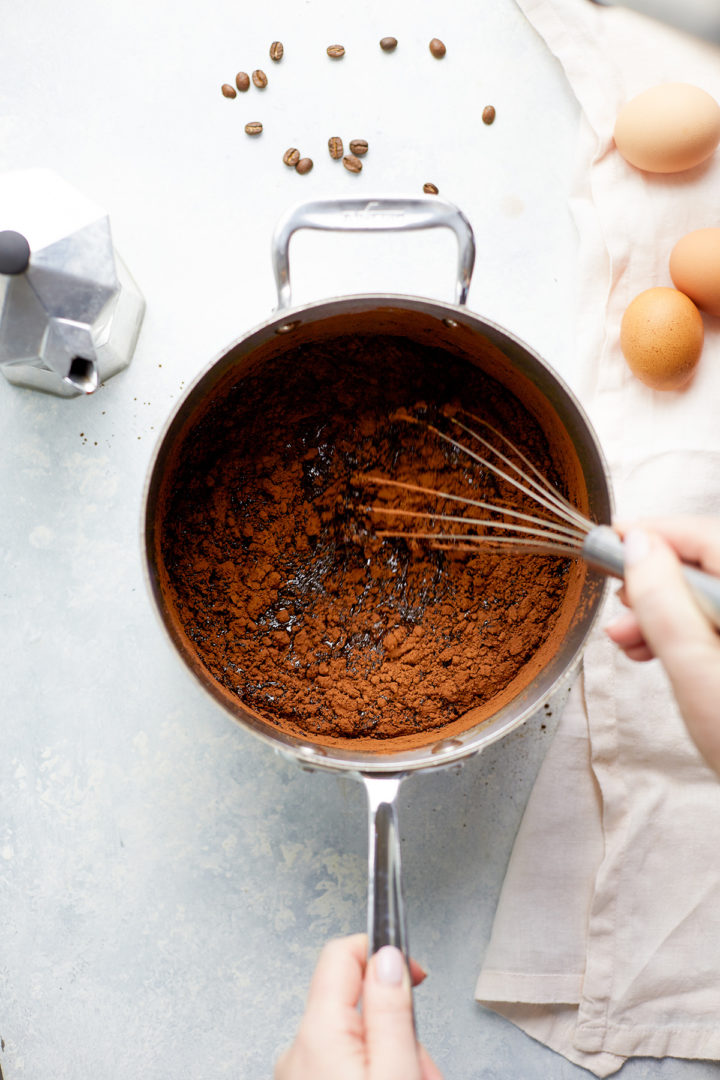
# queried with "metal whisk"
point(558, 528)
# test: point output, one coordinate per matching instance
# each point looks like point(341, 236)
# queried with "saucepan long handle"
point(386, 909)
point(368, 213)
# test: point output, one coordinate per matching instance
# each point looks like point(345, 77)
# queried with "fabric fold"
point(601, 941)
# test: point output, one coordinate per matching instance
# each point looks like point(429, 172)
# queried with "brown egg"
point(695, 268)
point(668, 128)
point(661, 336)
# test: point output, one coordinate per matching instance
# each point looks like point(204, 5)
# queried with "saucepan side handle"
point(368, 213)
point(386, 909)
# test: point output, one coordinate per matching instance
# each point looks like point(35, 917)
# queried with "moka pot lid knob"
point(14, 252)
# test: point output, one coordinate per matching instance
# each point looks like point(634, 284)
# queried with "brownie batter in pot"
point(299, 612)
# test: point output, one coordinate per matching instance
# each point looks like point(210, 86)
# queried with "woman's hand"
point(338, 1042)
point(665, 622)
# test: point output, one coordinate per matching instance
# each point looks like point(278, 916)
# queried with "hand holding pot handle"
point(370, 213)
point(336, 1042)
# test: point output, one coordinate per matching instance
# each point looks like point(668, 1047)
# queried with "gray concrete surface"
point(166, 882)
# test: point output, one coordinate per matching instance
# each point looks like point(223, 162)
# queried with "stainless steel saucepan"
point(453, 328)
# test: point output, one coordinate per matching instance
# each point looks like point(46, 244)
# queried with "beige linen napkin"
point(606, 942)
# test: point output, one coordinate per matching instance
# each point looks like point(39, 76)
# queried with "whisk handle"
point(604, 550)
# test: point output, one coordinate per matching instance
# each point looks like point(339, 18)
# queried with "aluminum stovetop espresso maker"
point(70, 312)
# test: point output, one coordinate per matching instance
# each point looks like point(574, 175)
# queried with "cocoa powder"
point(275, 575)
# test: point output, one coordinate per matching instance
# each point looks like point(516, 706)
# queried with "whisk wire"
point(519, 547)
point(380, 481)
point(485, 523)
point(562, 532)
point(565, 508)
point(452, 542)
point(538, 496)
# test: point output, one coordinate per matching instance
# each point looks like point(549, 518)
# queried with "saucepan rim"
point(441, 751)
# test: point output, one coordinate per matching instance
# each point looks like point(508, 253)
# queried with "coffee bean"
point(352, 163)
point(228, 90)
point(388, 44)
point(304, 165)
point(437, 48)
point(260, 79)
point(253, 128)
point(335, 51)
point(359, 147)
point(276, 51)
point(335, 146)
point(430, 189)
point(488, 114)
point(242, 81)
point(291, 156)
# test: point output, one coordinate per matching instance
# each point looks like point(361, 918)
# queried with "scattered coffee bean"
point(359, 147)
point(304, 165)
point(291, 156)
point(437, 48)
point(260, 79)
point(228, 90)
point(488, 114)
point(276, 51)
point(431, 189)
point(242, 81)
point(388, 44)
point(335, 146)
point(253, 128)
point(352, 163)
point(335, 51)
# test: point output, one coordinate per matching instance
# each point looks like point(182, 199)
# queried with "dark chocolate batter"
point(288, 599)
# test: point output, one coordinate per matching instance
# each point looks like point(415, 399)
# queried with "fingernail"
point(389, 965)
point(637, 546)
